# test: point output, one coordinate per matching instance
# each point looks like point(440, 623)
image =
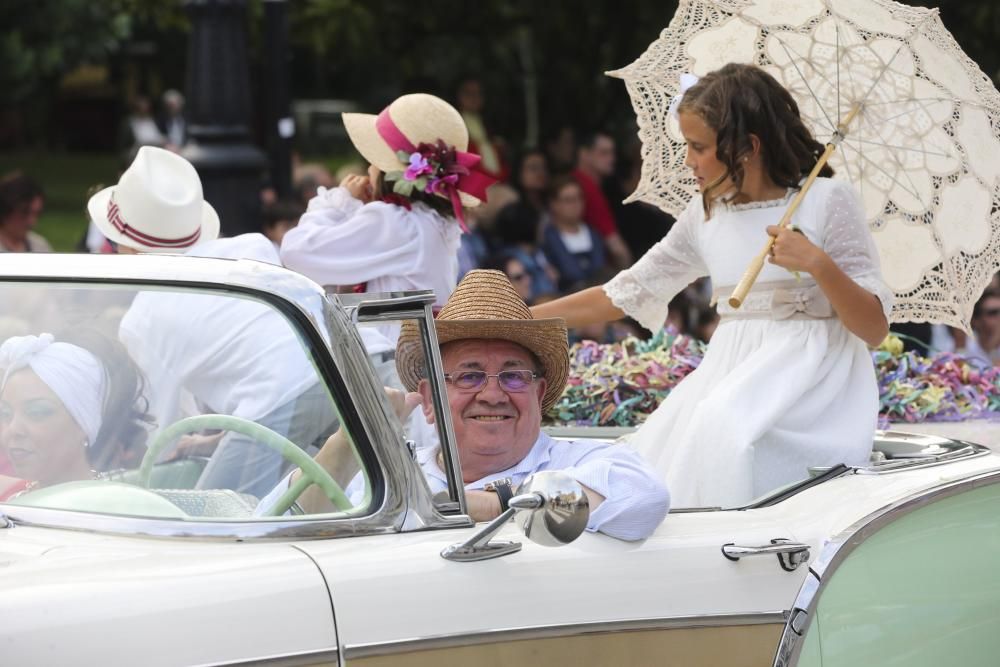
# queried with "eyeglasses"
point(475, 381)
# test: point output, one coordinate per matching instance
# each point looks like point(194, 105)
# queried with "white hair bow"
point(71, 372)
point(687, 80)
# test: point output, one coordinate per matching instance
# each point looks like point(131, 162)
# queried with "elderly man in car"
point(504, 370)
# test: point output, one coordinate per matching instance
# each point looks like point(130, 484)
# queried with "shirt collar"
point(537, 457)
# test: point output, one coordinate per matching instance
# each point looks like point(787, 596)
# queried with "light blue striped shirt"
point(635, 499)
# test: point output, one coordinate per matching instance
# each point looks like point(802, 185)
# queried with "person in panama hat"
point(504, 370)
point(157, 206)
point(398, 228)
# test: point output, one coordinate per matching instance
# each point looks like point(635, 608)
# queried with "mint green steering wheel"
point(312, 472)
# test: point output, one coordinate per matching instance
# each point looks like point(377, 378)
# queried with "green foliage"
point(42, 39)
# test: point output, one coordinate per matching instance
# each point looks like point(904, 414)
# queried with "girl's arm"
point(859, 310)
point(589, 306)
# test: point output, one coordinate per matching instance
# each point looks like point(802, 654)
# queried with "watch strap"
point(504, 493)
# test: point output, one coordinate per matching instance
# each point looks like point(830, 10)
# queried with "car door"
point(597, 600)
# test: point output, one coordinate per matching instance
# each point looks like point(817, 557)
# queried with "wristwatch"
point(503, 490)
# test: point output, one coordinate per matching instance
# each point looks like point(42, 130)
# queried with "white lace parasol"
point(924, 150)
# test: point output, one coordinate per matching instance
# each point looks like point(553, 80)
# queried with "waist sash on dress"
point(776, 300)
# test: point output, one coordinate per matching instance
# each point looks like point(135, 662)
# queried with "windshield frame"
point(341, 363)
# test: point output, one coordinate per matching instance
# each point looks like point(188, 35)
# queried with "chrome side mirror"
point(550, 507)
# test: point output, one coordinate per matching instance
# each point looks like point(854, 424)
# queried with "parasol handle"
point(757, 264)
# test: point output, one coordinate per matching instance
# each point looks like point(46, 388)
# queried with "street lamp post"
point(280, 126)
point(218, 94)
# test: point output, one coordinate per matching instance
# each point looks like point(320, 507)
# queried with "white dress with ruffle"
point(784, 386)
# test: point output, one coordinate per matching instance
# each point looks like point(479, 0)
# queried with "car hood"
point(70, 597)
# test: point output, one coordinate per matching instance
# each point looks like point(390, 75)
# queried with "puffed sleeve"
point(644, 290)
point(848, 241)
point(340, 241)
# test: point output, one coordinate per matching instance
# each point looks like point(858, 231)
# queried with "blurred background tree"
point(548, 55)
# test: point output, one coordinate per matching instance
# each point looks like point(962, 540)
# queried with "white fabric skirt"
point(770, 400)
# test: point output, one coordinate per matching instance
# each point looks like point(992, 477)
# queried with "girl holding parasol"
point(787, 382)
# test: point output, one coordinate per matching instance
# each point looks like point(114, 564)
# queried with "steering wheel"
point(312, 472)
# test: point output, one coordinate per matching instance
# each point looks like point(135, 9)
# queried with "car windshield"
point(190, 404)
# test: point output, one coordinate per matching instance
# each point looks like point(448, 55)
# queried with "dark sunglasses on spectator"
point(513, 381)
point(517, 276)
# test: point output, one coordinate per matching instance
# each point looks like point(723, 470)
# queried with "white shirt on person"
point(635, 501)
point(340, 241)
point(236, 356)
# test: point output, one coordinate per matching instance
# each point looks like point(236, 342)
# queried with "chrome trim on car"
point(790, 554)
point(406, 503)
point(966, 452)
point(330, 656)
point(355, 651)
point(837, 549)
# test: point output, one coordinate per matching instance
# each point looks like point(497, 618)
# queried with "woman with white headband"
point(67, 411)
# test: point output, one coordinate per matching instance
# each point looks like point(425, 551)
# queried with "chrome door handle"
point(790, 554)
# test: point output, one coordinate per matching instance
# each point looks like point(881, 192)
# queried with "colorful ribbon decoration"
point(620, 384)
point(474, 183)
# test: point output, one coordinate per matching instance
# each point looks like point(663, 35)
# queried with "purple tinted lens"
point(515, 380)
point(469, 379)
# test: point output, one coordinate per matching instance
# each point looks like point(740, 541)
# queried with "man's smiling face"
point(494, 428)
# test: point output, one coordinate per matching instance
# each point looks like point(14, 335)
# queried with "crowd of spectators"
point(555, 223)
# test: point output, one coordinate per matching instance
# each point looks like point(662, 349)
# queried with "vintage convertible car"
point(146, 561)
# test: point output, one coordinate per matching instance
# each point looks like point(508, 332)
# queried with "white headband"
point(687, 80)
point(71, 372)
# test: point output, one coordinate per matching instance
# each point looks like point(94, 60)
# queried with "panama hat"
point(486, 306)
point(157, 205)
point(417, 118)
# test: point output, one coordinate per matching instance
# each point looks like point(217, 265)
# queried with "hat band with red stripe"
point(116, 220)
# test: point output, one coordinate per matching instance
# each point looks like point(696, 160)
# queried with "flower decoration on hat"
point(437, 169)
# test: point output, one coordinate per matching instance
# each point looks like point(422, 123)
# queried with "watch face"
point(492, 486)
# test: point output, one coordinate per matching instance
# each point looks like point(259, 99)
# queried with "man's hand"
point(483, 505)
point(402, 403)
point(359, 187)
point(195, 444)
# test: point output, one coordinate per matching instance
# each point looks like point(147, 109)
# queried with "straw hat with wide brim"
point(421, 118)
point(157, 205)
point(486, 306)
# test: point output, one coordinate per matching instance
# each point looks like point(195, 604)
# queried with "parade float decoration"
point(620, 384)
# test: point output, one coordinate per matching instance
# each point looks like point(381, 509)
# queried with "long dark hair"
point(16, 190)
point(738, 100)
point(121, 442)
